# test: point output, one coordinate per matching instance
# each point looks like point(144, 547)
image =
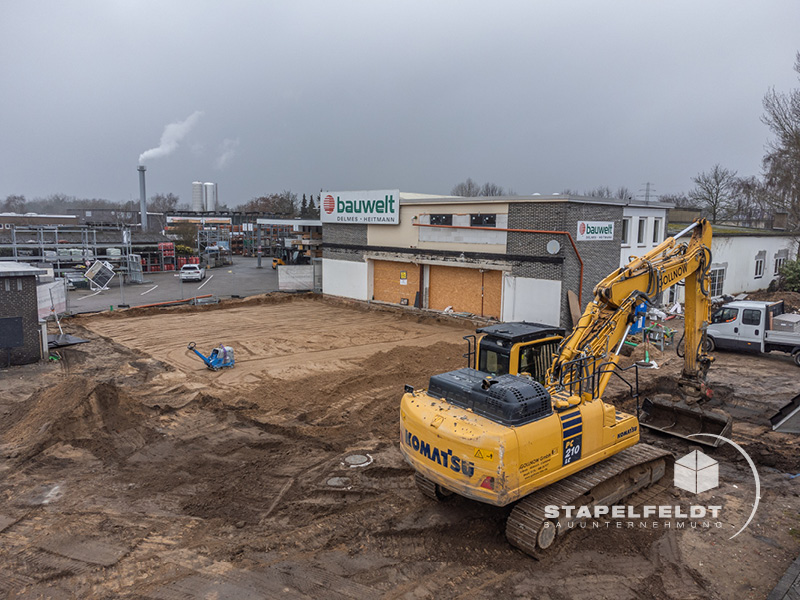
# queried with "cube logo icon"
point(696, 472)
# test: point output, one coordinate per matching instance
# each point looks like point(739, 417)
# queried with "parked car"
point(192, 273)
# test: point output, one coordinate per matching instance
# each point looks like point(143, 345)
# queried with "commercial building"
point(510, 258)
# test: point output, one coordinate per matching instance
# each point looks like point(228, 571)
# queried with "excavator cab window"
point(493, 362)
point(535, 359)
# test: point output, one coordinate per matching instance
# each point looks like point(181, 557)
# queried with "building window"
point(483, 220)
point(7, 285)
point(778, 264)
point(626, 231)
point(759, 268)
point(441, 219)
point(716, 279)
point(656, 231)
point(642, 230)
point(19, 284)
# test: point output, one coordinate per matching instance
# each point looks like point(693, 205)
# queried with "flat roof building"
point(511, 258)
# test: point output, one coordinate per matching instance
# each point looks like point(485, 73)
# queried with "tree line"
point(56, 203)
point(283, 204)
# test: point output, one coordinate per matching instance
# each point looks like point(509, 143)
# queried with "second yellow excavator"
point(505, 432)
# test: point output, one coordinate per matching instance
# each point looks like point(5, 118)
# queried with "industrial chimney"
point(142, 197)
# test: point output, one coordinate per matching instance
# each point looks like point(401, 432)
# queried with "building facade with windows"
point(643, 228)
point(511, 258)
point(743, 259)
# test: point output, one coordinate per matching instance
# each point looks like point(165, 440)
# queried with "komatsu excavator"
point(503, 432)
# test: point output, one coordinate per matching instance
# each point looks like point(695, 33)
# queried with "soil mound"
point(79, 411)
point(791, 299)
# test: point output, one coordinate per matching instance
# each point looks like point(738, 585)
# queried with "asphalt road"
point(243, 278)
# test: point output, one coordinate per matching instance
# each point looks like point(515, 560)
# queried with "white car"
point(192, 273)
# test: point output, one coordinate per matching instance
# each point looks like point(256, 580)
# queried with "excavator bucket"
point(682, 420)
point(787, 419)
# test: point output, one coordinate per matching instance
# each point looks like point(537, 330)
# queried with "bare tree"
point(714, 191)
point(600, 192)
point(680, 200)
point(623, 193)
point(14, 204)
point(782, 161)
point(751, 201)
point(163, 203)
point(283, 204)
point(466, 188)
point(492, 189)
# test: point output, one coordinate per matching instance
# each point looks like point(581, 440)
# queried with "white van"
point(754, 326)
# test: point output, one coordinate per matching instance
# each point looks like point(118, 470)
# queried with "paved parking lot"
point(243, 278)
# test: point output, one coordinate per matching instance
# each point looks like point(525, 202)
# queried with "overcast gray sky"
point(415, 95)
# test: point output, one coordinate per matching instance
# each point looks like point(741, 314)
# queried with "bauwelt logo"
point(374, 207)
point(365, 206)
point(597, 230)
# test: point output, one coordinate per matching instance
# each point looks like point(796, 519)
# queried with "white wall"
point(295, 277)
point(345, 278)
point(649, 216)
point(737, 256)
point(537, 300)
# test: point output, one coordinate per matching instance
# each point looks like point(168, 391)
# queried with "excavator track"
point(430, 489)
point(621, 476)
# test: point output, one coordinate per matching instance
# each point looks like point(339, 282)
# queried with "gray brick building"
point(19, 318)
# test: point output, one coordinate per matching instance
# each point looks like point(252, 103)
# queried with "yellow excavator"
point(508, 429)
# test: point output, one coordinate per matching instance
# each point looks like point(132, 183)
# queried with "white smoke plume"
point(227, 152)
point(170, 139)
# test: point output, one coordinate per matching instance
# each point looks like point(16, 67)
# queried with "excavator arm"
point(595, 343)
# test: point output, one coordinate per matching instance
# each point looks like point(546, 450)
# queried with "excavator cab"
point(514, 348)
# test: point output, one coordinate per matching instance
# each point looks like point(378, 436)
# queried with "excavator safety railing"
point(582, 376)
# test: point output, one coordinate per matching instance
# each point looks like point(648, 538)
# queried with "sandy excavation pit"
point(129, 470)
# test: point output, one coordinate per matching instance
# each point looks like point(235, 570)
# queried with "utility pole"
point(258, 243)
point(647, 190)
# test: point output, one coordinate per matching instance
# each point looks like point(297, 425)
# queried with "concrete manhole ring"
point(358, 460)
point(339, 482)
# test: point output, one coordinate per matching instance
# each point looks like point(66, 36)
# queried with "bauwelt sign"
point(376, 207)
point(595, 230)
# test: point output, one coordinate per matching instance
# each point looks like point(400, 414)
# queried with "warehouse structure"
point(511, 258)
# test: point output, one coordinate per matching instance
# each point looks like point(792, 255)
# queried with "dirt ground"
point(128, 470)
